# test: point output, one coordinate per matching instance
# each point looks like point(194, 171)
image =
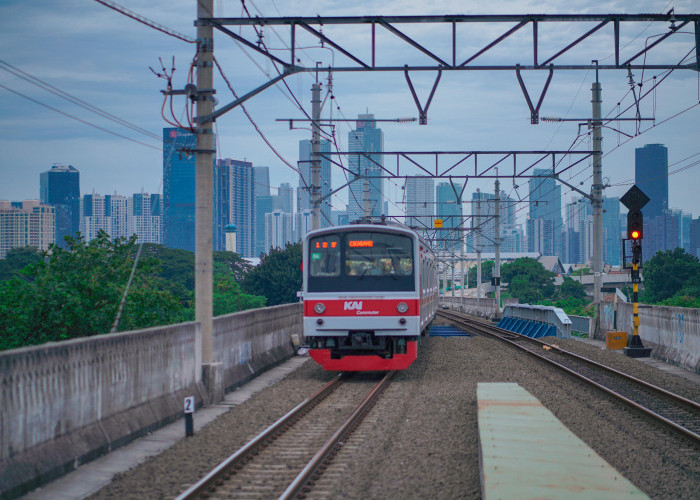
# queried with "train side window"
point(324, 256)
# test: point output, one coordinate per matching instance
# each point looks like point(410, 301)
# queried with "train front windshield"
point(361, 261)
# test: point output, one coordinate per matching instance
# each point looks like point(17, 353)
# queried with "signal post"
point(634, 200)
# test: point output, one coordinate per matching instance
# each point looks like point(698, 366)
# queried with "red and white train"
point(370, 292)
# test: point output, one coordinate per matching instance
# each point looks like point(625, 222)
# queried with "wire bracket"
point(422, 113)
point(534, 111)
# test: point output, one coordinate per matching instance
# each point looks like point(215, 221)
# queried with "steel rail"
point(491, 330)
point(202, 486)
point(326, 450)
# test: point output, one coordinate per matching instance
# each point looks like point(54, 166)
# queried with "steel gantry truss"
point(671, 24)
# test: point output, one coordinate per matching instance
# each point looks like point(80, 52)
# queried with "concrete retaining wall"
point(484, 309)
point(66, 403)
point(673, 333)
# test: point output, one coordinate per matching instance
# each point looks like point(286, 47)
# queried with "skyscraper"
point(484, 215)
point(278, 229)
point(303, 193)
point(612, 243)
point(60, 187)
point(420, 203)
point(545, 205)
point(285, 194)
point(366, 138)
point(234, 202)
point(651, 176)
point(262, 181)
point(145, 218)
point(178, 188)
point(450, 211)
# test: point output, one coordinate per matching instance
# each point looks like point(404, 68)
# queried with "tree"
point(668, 272)
point(229, 298)
point(278, 276)
point(572, 289)
point(528, 280)
point(17, 259)
point(77, 292)
point(486, 273)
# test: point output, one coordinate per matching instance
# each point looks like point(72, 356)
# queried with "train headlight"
point(319, 308)
point(402, 307)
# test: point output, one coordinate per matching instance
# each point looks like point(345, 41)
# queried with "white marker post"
point(189, 414)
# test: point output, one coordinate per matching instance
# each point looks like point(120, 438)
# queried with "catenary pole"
point(497, 245)
point(315, 155)
point(597, 190)
point(478, 249)
point(204, 183)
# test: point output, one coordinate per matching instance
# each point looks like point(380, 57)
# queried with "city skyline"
point(469, 111)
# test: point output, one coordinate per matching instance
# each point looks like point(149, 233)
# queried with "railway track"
point(675, 411)
point(285, 459)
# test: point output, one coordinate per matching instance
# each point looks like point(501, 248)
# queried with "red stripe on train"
point(361, 308)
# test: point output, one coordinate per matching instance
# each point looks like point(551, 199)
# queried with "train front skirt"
point(363, 363)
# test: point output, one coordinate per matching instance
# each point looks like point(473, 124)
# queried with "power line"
point(78, 119)
point(143, 20)
point(75, 100)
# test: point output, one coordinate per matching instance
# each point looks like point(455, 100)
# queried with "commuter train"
point(370, 292)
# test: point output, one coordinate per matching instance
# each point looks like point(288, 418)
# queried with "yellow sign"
point(438, 223)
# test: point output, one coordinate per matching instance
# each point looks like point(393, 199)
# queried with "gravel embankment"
point(421, 439)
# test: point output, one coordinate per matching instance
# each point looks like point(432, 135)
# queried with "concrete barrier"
point(547, 315)
point(673, 333)
point(66, 403)
point(485, 308)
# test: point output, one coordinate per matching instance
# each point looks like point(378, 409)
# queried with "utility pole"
point(597, 190)
point(211, 372)
point(461, 264)
point(315, 155)
point(366, 208)
point(497, 246)
point(478, 249)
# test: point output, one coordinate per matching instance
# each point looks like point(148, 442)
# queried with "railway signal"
point(634, 200)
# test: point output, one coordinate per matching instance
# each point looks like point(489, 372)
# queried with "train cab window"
point(377, 254)
point(324, 256)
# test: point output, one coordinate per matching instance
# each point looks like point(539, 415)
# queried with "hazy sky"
point(103, 58)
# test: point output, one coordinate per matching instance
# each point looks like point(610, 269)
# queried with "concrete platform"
point(526, 452)
point(91, 477)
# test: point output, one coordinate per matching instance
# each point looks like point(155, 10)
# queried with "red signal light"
point(635, 235)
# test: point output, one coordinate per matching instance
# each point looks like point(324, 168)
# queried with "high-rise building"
point(420, 203)
point(285, 193)
point(612, 244)
point(26, 224)
point(483, 210)
point(60, 188)
point(695, 237)
point(145, 217)
point(108, 213)
point(651, 176)
point(234, 202)
point(278, 229)
point(263, 205)
point(545, 204)
point(179, 188)
point(302, 224)
point(450, 211)
point(262, 181)
point(303, 193)
point(367, 187)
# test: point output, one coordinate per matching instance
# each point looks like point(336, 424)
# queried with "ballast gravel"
point(421, 439)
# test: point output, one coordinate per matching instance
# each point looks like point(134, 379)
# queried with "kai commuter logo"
point(352, 305)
